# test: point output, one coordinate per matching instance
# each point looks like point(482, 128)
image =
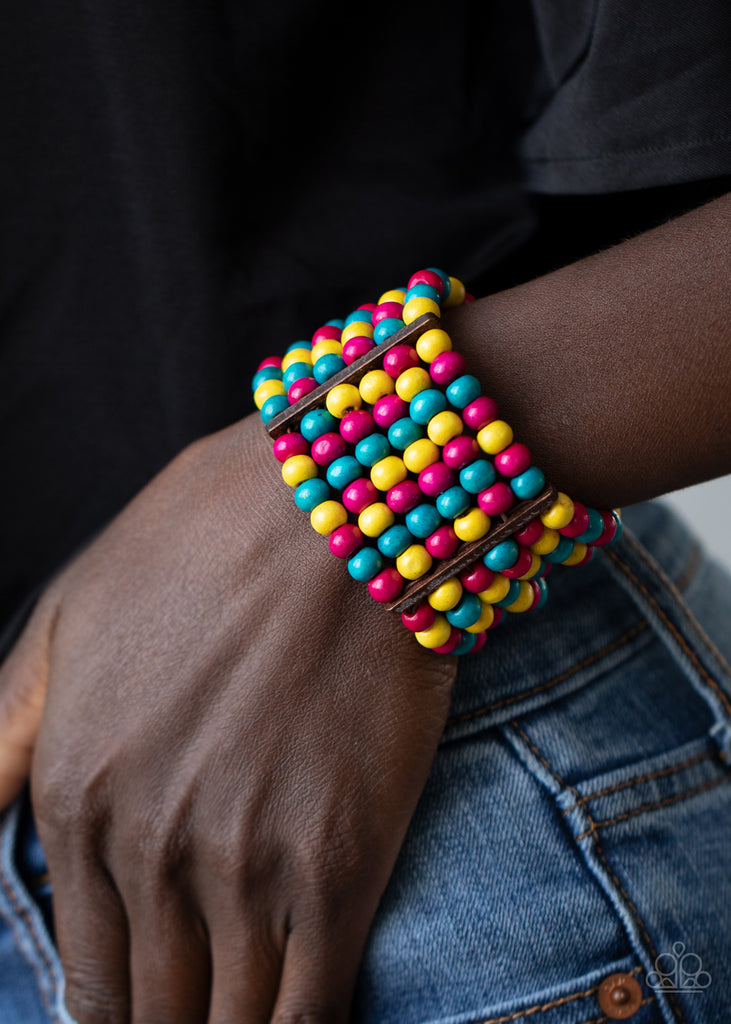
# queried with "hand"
point(233, 742)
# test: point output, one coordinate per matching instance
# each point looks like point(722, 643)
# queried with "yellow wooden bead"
point(485, 620)
point(266, 389)
point(326, 347)
point(547, 543)
point(297, 355)
point(472, 525)
point(457, 294)
point(376, 518)
point(417, 307)
point(298, 468)
point(432, 343)
point(411, 382)
point(495, 436)
point(420, 454)
point(577, 555)
point(388, 472)
point(446, 595)
point(342, 399)
point(437, 634)
point(523, 601)
point(414, 562)
point(496, 591)
point(444, 426)
point(357, 329)
point(394, 295)
point(535, 565)
point(328, 516)
point(375, 385)
point(559, 514)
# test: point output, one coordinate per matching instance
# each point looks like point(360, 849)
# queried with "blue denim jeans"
point(575, 831)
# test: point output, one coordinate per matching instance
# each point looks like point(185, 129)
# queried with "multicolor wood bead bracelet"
point(403, 463)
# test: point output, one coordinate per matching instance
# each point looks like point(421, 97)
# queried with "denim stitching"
point(22, 912)
point(676, 798)
point(542, 1007)
point(641, 778)
point(679, 638)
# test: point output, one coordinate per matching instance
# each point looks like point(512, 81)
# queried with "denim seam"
point(677, 635)
point(22, 913)
point(642, 778)
point(542, 1007)
point(600, 853)
point(566, 674)
point(674, 799)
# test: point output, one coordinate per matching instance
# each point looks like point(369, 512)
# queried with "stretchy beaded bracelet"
point(405, 466)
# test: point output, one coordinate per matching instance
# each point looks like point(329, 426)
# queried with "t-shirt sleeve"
point(639, 95)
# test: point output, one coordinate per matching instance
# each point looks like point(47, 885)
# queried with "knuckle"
point(314, 1013)
point(89, 999)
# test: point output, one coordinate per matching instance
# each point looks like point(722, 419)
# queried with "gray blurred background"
point(707, 509)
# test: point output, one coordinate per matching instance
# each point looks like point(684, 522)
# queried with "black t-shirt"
point(186, 186)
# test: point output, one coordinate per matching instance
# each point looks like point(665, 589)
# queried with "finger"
point(92, 935)
point(23, 681)
point(246, 969)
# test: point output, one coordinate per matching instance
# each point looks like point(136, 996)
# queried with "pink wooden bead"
point(359, 495)
point(403, 497)
point(370, 306)
point(496, 499)
point(480, 641)
point(400, 358)
point(468, 297)
point(498, 614)
point(275, 361)
point(328, 332)
point(608, 533)
point(328, 447)
point(447, 367)
point(389, 409)
point(579, 523)
point(386, 586)
point(442, 543)
point(427, 277)
point(300, 388)
point(290, 444)
point(544, 569)
point(460, 451)
point(536, 593)
point(422, 617)
point(522, 564)
point(387, 311)
point(356, 347)
point(513, 460)
point(346, 540)
point(476, 578)
point(479, 413)
point(530, 534)
point(356, 425)
point(590, 552)
point(455, 638)
point(436, 478)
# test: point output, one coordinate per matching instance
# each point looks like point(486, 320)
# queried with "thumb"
point(23, 681)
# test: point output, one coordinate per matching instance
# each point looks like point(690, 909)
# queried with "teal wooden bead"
point(394, 541)
point(343, 471)
point(326, 367)
point(295, 371)
point(543, 587)
point(562, 550)
point(463, 390)
point(423, 291)
point(316, 423)
point(385, 328)
point(466, 612)
point(466, 644)
point(445, 280)
point(267, 373)
point(365, 564)
point(453, 502)
point(339, 323)
point(404, 432)
point(423, 520)
point(298, 344)
point(503, 556)
point(371, 449)
point(273, 406)
point(311, 493)
point(595, 528)
point(512, 595)
point(359, 316)
point(477, 476)
point(427, 404)
point(528, 484)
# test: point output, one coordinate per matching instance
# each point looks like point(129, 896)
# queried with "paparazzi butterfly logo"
point(679, 972)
